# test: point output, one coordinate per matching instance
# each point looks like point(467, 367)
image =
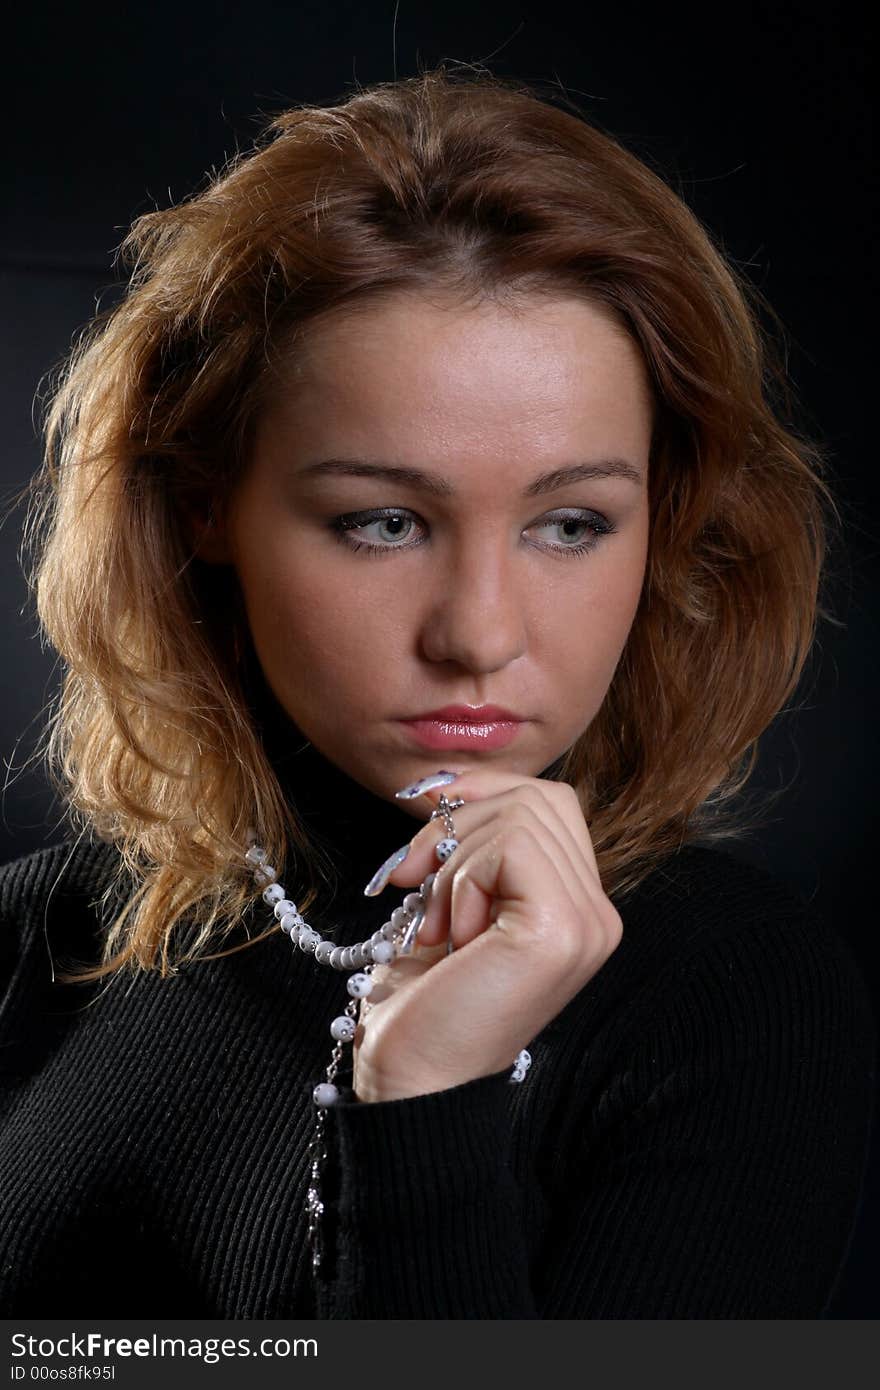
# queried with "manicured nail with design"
point(426, 784)
point(382, 875)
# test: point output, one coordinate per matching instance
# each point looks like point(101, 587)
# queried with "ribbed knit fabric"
point(689, 1142)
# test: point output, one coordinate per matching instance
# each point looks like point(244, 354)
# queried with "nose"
point(475, 609)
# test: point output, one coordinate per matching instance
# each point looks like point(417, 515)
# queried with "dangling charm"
point(449, 845)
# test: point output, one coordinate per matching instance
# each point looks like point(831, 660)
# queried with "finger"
point(556, 807)
point(474, 783)
point(456, 906)
point(555, 925)
point(499, 883)
point(477, 784)
point(446, 912)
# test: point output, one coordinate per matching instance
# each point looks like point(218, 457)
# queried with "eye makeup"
point(345, 525)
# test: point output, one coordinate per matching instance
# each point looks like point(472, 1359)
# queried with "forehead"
point(411, 374)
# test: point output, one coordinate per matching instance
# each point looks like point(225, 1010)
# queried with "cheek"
point(316, 620)
point(591, 623)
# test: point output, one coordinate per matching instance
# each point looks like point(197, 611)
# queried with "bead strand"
point(396, 936)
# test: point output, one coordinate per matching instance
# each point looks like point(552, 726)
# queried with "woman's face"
point(374, 597)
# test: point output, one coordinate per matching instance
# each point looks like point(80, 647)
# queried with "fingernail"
point(426, 784)
point(382, 875)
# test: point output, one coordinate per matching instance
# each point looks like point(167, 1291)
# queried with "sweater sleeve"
point(713, 1157)
point(428, 1220)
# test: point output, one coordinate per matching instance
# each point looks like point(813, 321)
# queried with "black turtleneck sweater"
point(689, 1142)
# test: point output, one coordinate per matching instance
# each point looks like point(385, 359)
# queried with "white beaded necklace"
point(396, 936)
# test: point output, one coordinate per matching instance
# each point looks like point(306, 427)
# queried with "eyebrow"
point(442, 487)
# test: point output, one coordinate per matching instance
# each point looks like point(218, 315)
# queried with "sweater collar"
point(356, 829)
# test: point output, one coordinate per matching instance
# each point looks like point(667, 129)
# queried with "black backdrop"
point(759, 116)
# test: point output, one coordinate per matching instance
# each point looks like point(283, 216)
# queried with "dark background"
point(759, 117)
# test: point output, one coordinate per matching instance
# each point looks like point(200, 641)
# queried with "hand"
point(521, 902)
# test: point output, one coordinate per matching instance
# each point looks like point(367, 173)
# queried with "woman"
point(595, 1067)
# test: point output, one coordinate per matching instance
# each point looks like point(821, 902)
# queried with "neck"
point(354, 827)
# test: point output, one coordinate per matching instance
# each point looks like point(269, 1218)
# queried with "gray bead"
point(400, 917)
point(285, 905)
point(445, 848)
point(343, 1028)
point(383, 952)
point(359, 986)
point(325, 1093)
point(412, 902)
point(323, 952)
point(388, 931)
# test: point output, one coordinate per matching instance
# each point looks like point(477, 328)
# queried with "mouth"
point(452, 733)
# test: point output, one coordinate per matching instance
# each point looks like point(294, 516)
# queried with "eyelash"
point(343, 525)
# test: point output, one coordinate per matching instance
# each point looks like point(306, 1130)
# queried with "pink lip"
point(472, 714)
point(463, 733)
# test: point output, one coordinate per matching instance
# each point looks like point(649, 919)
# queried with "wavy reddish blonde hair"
point(450, 183)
